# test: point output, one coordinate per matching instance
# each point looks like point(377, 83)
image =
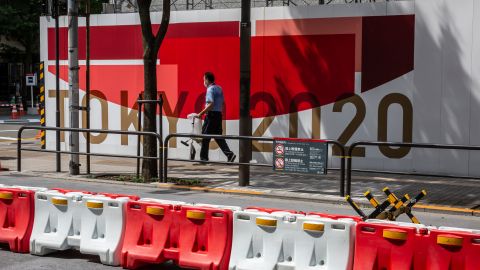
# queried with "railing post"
point(349, 169)
point(139, 126)
point(19, 149)
point(342, 172)
point(160, 129)
point(165, 158)
point(342, 164)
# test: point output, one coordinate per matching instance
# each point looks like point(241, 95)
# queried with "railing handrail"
point(397, 144)
point(104, 131)
point(413, 145)
point(250, 138)
point(214, 136)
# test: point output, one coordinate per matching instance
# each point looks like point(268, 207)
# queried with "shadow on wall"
point(444, 97)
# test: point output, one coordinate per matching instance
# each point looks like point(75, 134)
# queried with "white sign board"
point(31, 80)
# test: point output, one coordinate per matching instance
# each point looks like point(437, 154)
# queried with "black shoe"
point(231, 158)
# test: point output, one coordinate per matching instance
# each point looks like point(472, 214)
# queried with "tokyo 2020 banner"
point(393, 71)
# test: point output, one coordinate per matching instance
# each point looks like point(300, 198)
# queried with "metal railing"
point(249, 138)
point(120, 132)
point(140, 103)
point(397, 144)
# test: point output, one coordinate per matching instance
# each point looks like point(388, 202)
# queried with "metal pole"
point(342, 175)
point(19, 149)
point(87, 75)
point(73, 84)
point(31, 97)
point(57, 85)
point(165, 158)
point(349, 171)
point(160, 128)
point(139, 125)
point(245, 150)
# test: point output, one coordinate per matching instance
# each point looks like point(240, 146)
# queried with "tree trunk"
point(151, 46)
point(149, 166)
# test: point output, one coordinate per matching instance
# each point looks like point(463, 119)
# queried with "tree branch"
point(147, 35)
point(162, 30)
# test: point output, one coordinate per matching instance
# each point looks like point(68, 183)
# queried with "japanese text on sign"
point(300, 156)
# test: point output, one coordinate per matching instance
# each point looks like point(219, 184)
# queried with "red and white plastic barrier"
point(123, 229)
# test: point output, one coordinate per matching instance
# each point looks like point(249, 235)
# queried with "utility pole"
point(57, 82)
point(73, 98)
point(245, 151)
point(87, 75)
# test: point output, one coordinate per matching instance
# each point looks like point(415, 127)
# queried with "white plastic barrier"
point(57, 222)
point(284, 241)
point(94, 224)
point(103, 225)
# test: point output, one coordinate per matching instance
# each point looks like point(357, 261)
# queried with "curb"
point(20, 121)
point(426, 208)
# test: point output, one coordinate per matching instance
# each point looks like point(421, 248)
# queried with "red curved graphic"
point(296, 64)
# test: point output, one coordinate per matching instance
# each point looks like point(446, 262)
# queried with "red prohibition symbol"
point(279, 163)
point(279, 149)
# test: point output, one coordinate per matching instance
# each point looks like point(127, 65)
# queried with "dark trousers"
point(213, 125)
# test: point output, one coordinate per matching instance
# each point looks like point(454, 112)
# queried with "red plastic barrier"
point(334, 216)
point(392, 247)
point(205, 238)
point(271, 210)
point(453, 250)
point(193, 237)
point(387, 246)
point(148, 229)
point(116, 196)
point(16, 218)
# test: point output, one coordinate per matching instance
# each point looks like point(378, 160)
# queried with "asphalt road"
point(74, 260)
point(8, 133)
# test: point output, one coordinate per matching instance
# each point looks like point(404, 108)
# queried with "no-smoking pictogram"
point(279, 163)
point(279, 149)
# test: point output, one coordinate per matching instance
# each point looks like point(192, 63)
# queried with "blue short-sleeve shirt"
point(215, 96)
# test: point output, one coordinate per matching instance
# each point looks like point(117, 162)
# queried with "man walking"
point(213, 120)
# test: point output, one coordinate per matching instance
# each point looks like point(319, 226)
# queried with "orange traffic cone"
point(21, 112)
point(39, 135)
point(14, 114)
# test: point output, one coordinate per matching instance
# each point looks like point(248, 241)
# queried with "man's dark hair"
point(209, 76)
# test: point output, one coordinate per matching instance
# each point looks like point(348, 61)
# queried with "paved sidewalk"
point(442, 191)
point(453, 192)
